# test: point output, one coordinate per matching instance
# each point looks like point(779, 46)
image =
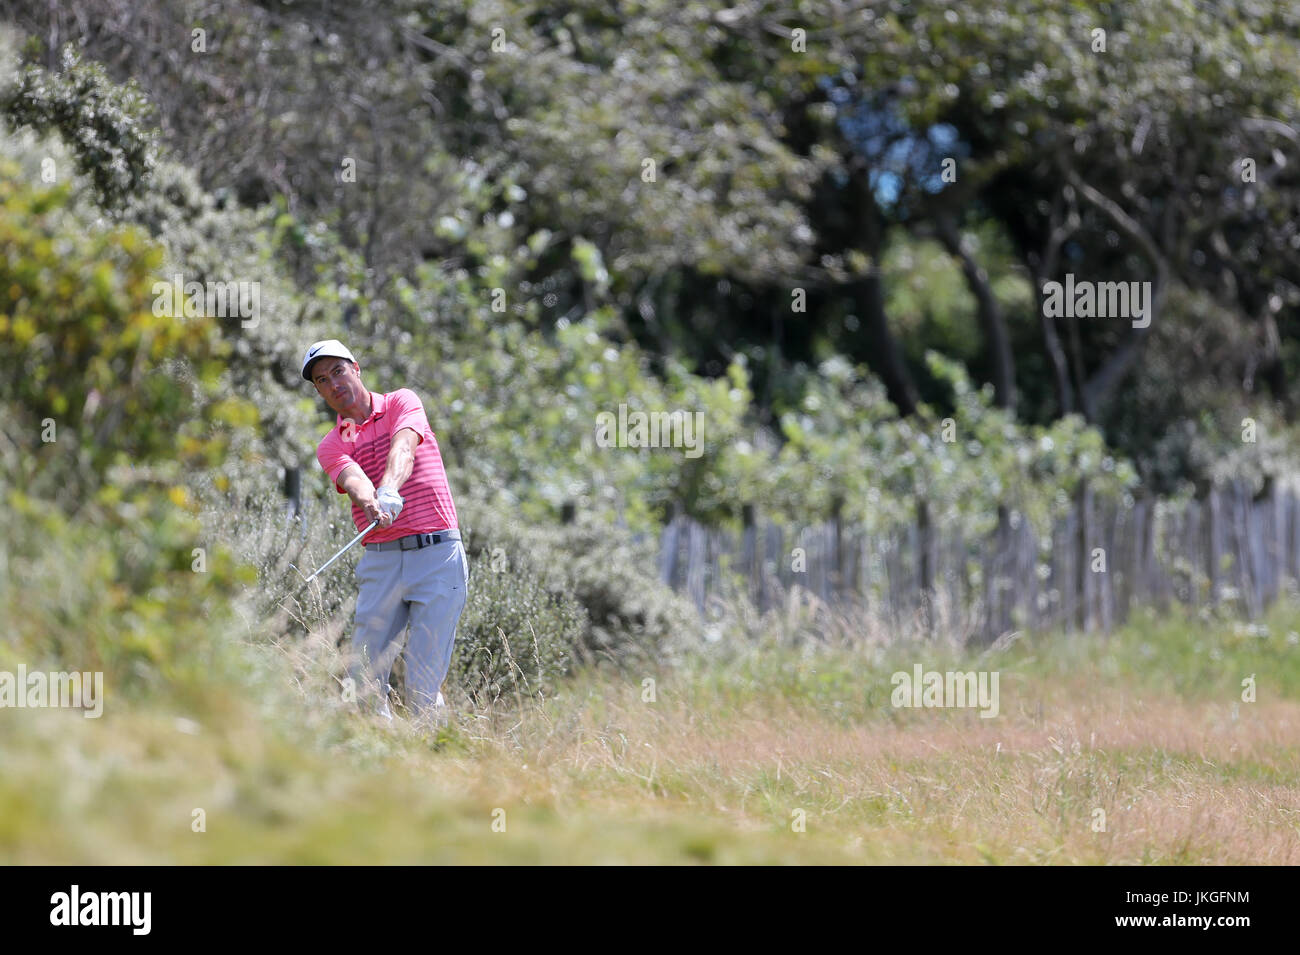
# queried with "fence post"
point(925, 571)
point(1274, 513)
point(1003, 581)
point(1083, 564)
point(1212, 550)
point(837, 546)
point(1292, 527)
point(749, 558)
point(668, 547)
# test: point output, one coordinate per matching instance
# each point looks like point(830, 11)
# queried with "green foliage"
point(104, 123)
point(1186, 412)
point(116, 595)
point(520, 180)
point(91, 371)
point(524, 172)
point(280, 549)
point(928, 299)
point(612, 576)
point(205, 238)
point(106, 409)
point(521, 408)
point(627, 615)
point(515, 635)
point(846, 450)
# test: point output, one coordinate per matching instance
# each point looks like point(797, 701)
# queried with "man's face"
point(338, 381)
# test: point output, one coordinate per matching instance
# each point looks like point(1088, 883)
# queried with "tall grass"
point(766, 748)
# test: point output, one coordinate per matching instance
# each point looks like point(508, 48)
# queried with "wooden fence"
point(1105, 558)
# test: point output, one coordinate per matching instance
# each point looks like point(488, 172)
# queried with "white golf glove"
point(389, 500)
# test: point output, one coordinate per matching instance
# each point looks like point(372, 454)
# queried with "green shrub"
point(105, 411)
point(628, 614)
point(105, 124)
point(122, 598)
point(252, 518)
point(105, 396)
point(633, 615)
point(515, 635)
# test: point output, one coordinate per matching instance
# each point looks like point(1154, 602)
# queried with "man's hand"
point(369, 502)
point(358, 487)
point(383, 505)
point(390, 502)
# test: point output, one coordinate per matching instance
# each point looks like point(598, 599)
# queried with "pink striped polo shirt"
point(427, 504)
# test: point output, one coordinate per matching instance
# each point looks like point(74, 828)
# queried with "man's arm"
point(401, 458)
point(354, 482)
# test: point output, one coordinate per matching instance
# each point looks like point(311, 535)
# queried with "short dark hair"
point(311, 369)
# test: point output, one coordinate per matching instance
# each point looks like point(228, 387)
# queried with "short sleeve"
point(333, 458)
point(408, 412)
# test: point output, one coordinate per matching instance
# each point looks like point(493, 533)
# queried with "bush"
point(633, 615)
point(122, 598)
point(104, 394)
point(628, 614)
point(105, 124)
point(105, 411)
point(253, 519)
point(515, 635)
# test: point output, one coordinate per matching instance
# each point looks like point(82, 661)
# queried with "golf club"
point(321, 569)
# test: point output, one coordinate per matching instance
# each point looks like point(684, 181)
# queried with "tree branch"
point(1113, 369)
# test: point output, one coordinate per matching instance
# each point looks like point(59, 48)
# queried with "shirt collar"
point(378, 402)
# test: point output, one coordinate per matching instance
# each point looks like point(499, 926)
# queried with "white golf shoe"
point(437, 713)
point(382, 710)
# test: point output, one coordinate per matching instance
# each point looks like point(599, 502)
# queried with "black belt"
point(417, 541)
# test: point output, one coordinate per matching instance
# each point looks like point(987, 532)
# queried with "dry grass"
point(1178, 782)
point(732, 753)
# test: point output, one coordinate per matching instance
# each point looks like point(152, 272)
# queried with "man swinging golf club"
point(414, 570)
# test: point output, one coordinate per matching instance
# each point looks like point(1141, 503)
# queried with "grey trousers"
point(424, 588)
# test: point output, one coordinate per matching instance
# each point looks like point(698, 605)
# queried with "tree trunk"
point(883, 354)
point(989, 313)
point(1043, 269)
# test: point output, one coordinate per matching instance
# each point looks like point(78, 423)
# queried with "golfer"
point(414, 569)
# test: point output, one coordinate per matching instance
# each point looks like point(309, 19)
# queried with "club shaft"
point(321, 569)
